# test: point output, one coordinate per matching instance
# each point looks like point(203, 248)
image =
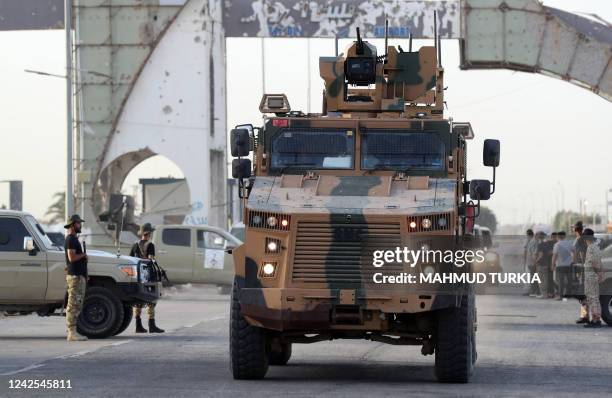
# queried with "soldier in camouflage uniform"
point(592, 277)
point(76, 276)
point(145, 249)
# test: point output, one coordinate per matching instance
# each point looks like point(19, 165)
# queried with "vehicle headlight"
point(272, 221)
point(426, 223)
point(442, 222)
point(268, 269)
point(491, 257)
point(131, 271)
point(272, 246)
point(413, 224)
point(256, 219)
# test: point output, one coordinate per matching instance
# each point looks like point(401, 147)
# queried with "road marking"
point(14, 372)
point(66, 356)
point(216, 318)
point(509, 315)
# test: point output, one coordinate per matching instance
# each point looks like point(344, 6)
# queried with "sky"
point(555, 136)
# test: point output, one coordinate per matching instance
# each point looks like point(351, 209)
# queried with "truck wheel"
point(102, 314)
point(455, 347)
point(248, 345)
point(606, 309)
point(281, 357)
point(127, 319)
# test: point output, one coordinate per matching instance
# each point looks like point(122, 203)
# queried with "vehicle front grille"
point(337, 253)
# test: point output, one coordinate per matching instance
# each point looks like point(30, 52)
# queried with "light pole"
point(69, 141)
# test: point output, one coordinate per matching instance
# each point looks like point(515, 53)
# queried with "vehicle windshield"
point(41, 232)
point(313, 149)
point(402, 150)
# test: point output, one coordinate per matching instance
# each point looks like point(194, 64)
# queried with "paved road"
point(527, 347)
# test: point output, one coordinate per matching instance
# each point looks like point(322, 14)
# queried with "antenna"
point(436, 30)
point(359, 43)
point(439, 45)
point(386, 38)
point(336, 43)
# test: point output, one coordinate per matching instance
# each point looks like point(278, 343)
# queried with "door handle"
point(162, 252)
point(31, 264)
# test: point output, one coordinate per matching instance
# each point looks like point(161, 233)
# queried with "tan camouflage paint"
point(307, 288)
point(409, 82)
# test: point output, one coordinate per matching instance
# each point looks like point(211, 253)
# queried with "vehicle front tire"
point(102, 314)
point(455, 343)
point(128, 314)
point(248, 345)
point(281, 357)
point(606, 308)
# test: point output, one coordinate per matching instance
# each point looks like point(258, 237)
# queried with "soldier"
point(532, 250)
point(580, 248)
point(145, 249)
point(76, 276)
point(593, 275)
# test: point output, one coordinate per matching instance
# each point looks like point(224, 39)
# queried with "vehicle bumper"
point(313, 309)
point(141, 292)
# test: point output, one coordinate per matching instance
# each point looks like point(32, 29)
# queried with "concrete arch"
point(526, 36)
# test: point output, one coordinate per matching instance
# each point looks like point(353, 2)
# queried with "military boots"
point(153, 328)
point(139, 327)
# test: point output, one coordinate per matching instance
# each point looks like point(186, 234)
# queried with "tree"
point(57, 209)
point(564, 220)
point(487, 219)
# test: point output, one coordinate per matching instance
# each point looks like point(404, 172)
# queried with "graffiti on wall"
point(330, 18)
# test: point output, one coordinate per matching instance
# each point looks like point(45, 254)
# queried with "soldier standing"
point(593, 275)
point(76, 276)
point(145, 249)
point(580, 248)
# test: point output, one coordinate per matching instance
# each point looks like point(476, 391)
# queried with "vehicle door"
point(174, 252)
point(23, 273)
point(210, 265)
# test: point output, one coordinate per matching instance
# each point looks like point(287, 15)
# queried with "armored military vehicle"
point(380, 168)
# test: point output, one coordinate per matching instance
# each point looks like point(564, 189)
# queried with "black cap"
point(578, 225)
point(146, 228)
point(588, 234)
point(73, 218)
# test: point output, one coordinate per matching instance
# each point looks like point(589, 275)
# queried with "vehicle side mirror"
point(480, 189)
point(490, 153)
point(29, 246)
point(241, 168)
point(240, 142)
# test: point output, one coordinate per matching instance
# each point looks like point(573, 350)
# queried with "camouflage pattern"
point(404, 84)
point(76, 295)
point(328, 222)
point(591, 282)
point(150, 310)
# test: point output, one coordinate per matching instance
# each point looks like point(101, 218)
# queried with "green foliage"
point(487, 219)
point(57, 210)
point(564, 220)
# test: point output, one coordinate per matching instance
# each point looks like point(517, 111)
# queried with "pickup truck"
point(196, 254)
point(32, 279)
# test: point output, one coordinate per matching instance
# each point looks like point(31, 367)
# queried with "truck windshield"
point(313, 149)
point(41, 233)
point(402, 150)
